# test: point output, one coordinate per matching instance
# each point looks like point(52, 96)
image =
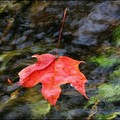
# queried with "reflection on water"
point(90, 33)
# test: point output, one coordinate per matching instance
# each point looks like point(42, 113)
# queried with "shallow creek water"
point(91, 33)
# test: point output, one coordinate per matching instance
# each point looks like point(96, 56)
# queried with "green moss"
point(7, 6)
point(116, 35)
point(32, 99)
point(115, 74)
point(6, 57)
point(110, 92)
point(107, 116)
point(105, 61)
point(107, 93)
point(37, 104)
point(39, 108)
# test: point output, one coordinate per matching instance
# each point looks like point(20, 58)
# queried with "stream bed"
point(91, 33)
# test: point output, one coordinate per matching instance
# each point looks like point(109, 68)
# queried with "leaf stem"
point(60, 32)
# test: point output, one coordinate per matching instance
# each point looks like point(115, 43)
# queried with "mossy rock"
point(116, 35)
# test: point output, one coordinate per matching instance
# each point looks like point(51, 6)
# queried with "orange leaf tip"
point(9, 81)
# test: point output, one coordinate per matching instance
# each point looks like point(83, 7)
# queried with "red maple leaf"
point(53, 72)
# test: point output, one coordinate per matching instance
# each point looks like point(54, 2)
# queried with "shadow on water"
point(91, 33)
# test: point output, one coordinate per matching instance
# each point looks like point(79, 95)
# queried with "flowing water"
point(91, 33)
